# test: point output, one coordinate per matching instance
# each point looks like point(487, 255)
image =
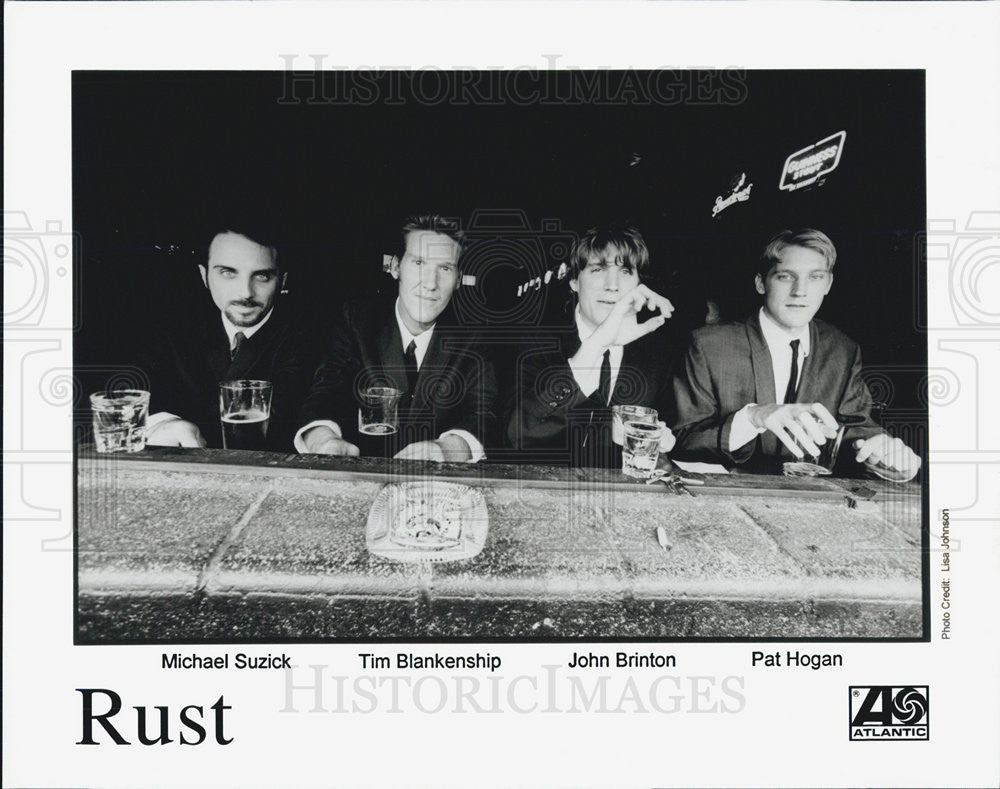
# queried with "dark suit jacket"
point(456, 387)
point(187, 362)
point(729, 365)
point(548, 417)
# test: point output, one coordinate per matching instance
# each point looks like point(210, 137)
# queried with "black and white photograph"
point(626, 355)
point(543, 394)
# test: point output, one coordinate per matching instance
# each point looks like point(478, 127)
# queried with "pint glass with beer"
point(245, 408)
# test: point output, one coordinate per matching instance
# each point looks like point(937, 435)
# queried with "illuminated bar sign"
point(737, 194)
point(808, 165)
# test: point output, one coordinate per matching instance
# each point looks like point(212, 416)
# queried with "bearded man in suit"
point(412, 343)
point(241, 335)
point(755, 393)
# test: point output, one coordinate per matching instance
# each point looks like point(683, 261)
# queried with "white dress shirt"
point(422, 341)
point(589, 378)
point(778, 342)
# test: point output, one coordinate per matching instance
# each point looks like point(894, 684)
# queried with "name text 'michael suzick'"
point(241, 660)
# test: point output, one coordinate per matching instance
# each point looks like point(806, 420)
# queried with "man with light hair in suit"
point(414, 343)
point(755, 393)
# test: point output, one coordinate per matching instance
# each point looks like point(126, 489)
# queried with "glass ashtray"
point(427, 521)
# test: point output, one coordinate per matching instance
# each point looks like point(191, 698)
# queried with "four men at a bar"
point(744, 395)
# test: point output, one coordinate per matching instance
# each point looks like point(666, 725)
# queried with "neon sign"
point(537, 282)
point(739, 194)
point(808, 165)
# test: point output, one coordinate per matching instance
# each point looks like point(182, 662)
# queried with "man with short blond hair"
point(756, 393)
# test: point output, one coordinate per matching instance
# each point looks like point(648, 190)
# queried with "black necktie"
point(410, 361)
point(793, 377)
point(239, 340)
point(605, 385)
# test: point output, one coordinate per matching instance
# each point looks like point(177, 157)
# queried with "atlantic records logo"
point(890, 712)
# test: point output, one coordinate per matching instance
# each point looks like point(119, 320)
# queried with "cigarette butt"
point(686, 481)
point(661, 537)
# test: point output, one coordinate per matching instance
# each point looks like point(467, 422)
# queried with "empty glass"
point(378, 415)
point(820, 465)
point(641, 449)
point(119, 420)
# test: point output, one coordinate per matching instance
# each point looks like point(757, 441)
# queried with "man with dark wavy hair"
point(412, 343)
point(755, 393)
point(599, 357)
point(241, 333)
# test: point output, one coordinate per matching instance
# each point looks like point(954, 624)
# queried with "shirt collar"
point(581, 328)
point(776, 337)
point(248, 331)
point(422, 340)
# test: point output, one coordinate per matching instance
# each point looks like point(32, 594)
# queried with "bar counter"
point(181, 545)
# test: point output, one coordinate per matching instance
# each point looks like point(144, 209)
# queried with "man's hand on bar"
point(321, 440)
point(890, 452)
point(811, 424)
point(176, 433)
point(451, 449)
point(667, 438)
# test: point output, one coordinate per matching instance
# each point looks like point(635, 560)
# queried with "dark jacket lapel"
point(434, 366)
point(439, 363)
point(389, 347)
point(216, 346)
point(763, 376)
point(635, 359)
point(569, 342)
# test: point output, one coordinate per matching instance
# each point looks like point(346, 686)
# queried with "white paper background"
point(792, 729)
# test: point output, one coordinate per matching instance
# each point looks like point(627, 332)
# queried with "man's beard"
point(244, 323)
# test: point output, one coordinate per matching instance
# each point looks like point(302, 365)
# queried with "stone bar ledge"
point(178, 545)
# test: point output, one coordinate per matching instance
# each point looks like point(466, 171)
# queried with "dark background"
point(328, 165)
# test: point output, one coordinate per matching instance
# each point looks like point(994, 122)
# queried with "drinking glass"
point(820, 465)
point(641, 449)
point(620, 414)
point(120, 420)
point(378, 415)
point(245, 409)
